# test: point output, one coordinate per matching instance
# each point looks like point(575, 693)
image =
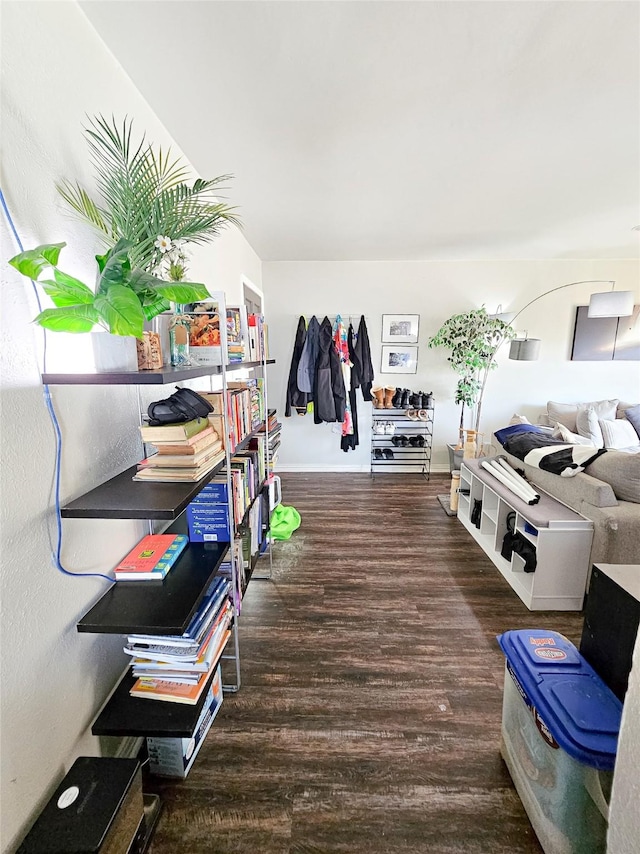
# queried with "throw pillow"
point(566, 413)
point(621, 471)
point(507, 432)
point(632, 414)
point(563, 413)
point(618, 434)
point(562, 432)
point(589, 426)
point(518, 419)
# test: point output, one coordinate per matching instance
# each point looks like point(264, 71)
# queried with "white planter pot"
point(114, 352)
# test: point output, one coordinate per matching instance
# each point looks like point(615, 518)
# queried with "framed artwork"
point(400, 328)
point(399, 359)
point(606, 339)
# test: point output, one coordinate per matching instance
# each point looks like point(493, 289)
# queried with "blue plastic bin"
point(560, 726)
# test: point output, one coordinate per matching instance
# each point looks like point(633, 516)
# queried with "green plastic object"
point(284, 521)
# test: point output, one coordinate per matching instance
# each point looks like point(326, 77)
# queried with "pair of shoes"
point(416, 441)
point(382, 397)
point(412, 414)
point(420, 400)
point(384, 428)
point(386, 454)
point(400, 441)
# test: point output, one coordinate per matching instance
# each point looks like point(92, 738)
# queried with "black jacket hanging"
point(329, 395)
point(296, 398)
point(362, 350)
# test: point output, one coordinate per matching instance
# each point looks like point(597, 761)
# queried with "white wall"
point(435, 291)
point(55, 71)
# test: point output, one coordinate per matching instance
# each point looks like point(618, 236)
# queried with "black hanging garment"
point(329, 395)
point(363, 352)
point(296, 398)
point(351, 441)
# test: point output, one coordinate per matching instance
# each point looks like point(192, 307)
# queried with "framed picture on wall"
point(399, 359)
point(400, 328)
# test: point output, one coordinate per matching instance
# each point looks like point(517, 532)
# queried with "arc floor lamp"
point(603, 304)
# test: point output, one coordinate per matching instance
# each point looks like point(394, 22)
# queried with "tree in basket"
point(473, 339)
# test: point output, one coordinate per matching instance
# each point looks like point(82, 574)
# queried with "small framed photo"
point(400, 328)
point(399, 359)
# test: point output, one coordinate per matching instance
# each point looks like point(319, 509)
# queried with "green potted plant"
point(472, 338)
point(146, 197)
point(124, 297)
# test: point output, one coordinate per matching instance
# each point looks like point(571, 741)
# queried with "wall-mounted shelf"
point(158, 607)
point(135, 716)
point(121, 497)
point(159, 376)
point(124, 498)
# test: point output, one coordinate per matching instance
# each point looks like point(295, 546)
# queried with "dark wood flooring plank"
point(369, 716)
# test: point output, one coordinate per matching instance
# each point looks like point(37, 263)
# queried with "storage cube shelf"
point(562, 542)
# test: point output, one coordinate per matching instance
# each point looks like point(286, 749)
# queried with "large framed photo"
point(399, 359)
point(400, 328)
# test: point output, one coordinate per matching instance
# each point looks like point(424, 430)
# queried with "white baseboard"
point(334, 467)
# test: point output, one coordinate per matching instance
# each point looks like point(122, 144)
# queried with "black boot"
point(396, 400)
point(406, 394)
point(427, 402)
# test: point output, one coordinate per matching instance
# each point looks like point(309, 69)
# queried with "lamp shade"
point(524, 349)
point(611, 304)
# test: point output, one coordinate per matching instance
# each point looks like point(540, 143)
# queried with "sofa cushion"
point(632, 414)
point(566, 413)
point(618, 434)
point(589, 426)
point(621, 471)
point(562, 432)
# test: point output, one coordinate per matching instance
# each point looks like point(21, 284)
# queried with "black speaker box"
point(97, 809)
point(612, 616)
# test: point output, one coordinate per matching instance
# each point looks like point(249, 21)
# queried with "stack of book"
point(258, 338)
point(237, 334)
point(152, 558)
point(177, 668)
point(274, 437)
point(185, 452)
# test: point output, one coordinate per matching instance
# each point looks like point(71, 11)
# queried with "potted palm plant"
point(473, 339)
point(146, 196)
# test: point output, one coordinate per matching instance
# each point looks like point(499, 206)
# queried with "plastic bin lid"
point(579, 710)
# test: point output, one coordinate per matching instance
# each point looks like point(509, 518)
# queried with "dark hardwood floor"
point(369, 715)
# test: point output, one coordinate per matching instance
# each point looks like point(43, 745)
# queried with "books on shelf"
point(182, 474)
point(237, 334)
point(170, 432)
point(176, 668)
point(172, 691)
point(191, 446)
point(183, 460)
point(152, 557)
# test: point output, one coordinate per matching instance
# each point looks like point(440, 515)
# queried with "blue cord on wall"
point(55, 556)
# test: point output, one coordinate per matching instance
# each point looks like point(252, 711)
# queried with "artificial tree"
point(473, 338)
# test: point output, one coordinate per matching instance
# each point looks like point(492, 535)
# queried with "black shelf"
point(141, 716)
point(158, 607)
point(158, 376)
point(124, 498)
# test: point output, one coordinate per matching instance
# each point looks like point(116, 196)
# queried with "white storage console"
point(561, 537)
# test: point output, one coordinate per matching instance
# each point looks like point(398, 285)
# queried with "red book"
point(152, 558)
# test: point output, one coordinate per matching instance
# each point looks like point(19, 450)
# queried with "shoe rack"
point(399, 444)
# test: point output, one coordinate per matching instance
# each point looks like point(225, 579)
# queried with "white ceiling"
point(401, 130)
